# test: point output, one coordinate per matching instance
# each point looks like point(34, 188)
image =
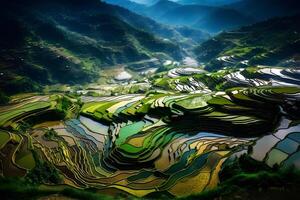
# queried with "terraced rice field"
point(10, 114)
point(184, 72)
point(184, 84)
point(265, 76)
point(171, 143)
point(280, 147)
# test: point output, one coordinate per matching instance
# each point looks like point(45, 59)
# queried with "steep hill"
point(46, 42)
point(223, 19)
point(160, 8)
point(128, 4)
point(155, 11)
point(208, 18)
point(272, 42)
point(264, 9)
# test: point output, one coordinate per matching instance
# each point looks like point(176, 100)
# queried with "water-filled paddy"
point(162, 143)
point(94, 126)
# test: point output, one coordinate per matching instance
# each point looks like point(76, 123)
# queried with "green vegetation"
point(246, 178)
point(241, 178)
point(28, 108)
point(271, 42)
point(3, 98)
point(27, 161)
point(234, 108)
point(144, 133)
point(50, 134)
point(67, 106)
point(48, 48)
point(178, 132)
point(43, 172)
point(24, 115)
point(17, 188)
point(4, 138)
point(128, 131)
point(220, 101)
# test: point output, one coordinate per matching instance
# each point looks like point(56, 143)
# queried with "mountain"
point(160, 8)
point(145, 23)
point(47, 42)
point(130, 5)
point(149, 25)
point(215, 15)
point(207, 18)
point(207, 2)
point(203, 17)
point(275, 42)
point(186, 14)
point(146, 2)
point(264, 9)
point(223, 19)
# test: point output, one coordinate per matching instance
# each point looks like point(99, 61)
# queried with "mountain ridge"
point(208, 2)
point(203, 17)
point(71, 39)
point(266, 9)
point(274, 42)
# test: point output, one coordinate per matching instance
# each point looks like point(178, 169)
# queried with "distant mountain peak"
point(165, 3)
point(208, 2)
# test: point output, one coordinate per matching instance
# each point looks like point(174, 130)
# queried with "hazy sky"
point(143, 1)
point(151, 1)
point(148, 1)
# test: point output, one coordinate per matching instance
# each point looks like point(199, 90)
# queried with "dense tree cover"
point(246, 178)
point(3, 98)
point(44, 172)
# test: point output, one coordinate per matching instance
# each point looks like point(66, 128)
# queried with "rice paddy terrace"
point(193, 80)
point(168, 142)
point(265, 76)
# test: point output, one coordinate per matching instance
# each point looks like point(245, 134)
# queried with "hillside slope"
point(223, 19)
point(208, 18)
point(160, 8)
point(144, 20)
point(128, 4)
point(265, 9)
point(272, 42)
point(47, 42)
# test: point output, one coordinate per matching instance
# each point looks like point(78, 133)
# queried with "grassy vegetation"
point(4, 138)
point(49, 47)
point(139, 128)
point(28, 108)
point(212, 80)
point(220, 101)
point(68, 106)
point(22, 116)
point(50, 134)
point(27, 161)
point(3, 98)
point(241, 178)
point(245, 178)
point(43, 172)
point(17, 188)
point(194, 102)
point(271, 42)
point(170, 140)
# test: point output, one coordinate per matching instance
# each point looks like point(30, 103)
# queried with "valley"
point(189, 99)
